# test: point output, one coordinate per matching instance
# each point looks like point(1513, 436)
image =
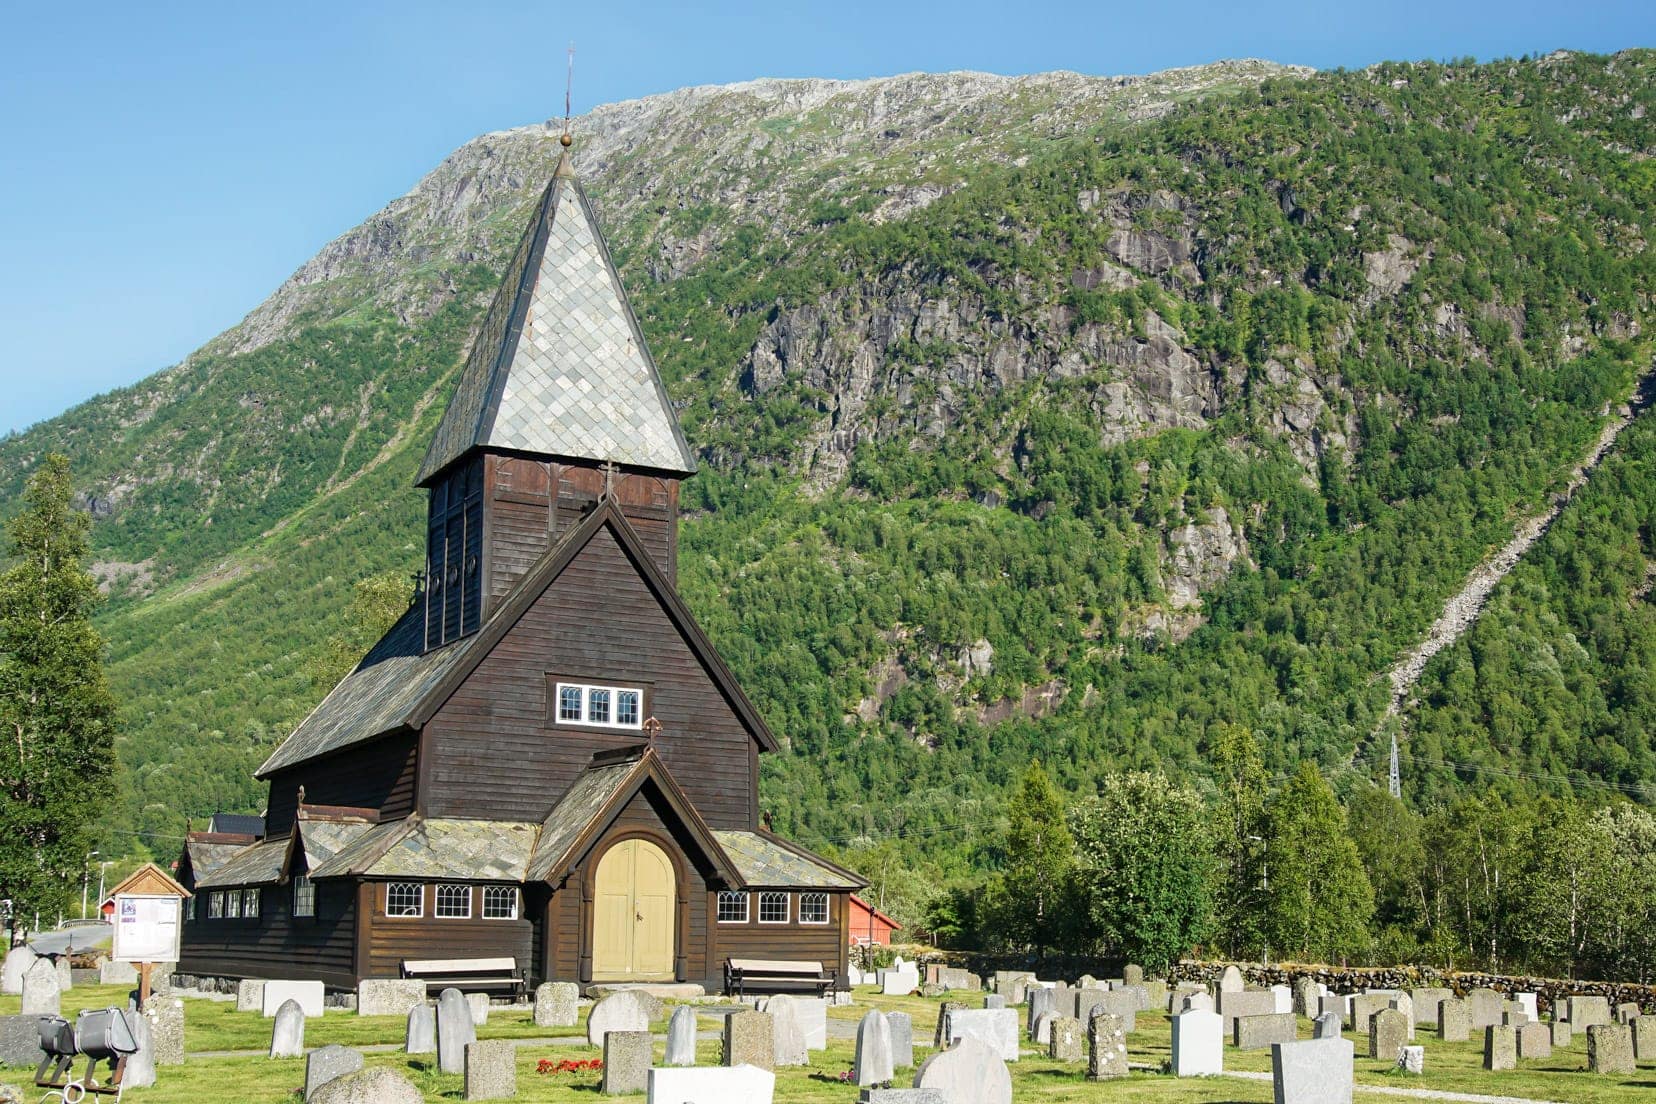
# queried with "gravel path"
point(1420, 1094)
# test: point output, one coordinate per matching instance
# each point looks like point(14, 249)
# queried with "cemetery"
point(1105, 1040)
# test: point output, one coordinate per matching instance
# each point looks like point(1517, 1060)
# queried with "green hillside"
point(1132, 423)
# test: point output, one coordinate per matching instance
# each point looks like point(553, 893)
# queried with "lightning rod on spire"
point(569, 89)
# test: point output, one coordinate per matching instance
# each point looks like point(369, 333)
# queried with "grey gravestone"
point(681, 1037)
point(17, 964)
point(1609, 1048)
point(1454, 1021)
point(627, 1061)
point(1484, 1005)
point(1041, 1000)
point(872, 1064)
point(42, 992)
point(1252, 1002)
point(623, 1011)
point(421, 1036)
point(941, 1037)
point(1157, 991)
point(1305, 997)
point(749, 1041)
point(369, 1086)
point(1514, 1017)
point(1201, 1001)
point(968, 1071)
point(65, 973)
point(1587, 1011)
point(1426, 1003)
point(1132, 974)
point(1535, 1041)
point(1118, 1002)
point(1405, 1004)
point(998, 1029)
point(329, 1063)
point(1313, 1071)
point(1231, 980)
point(1388, 1033)
point(1042, 1032)
point(1363, 1008)
point(1561, 1033)
point(994, 1000)
point(455, 1031)
point(1198, 1043)
point(389, 996)
point(19, 1041)
point(479, 1005)
point(250, 995)
point(166, 1017)
point(1259, 1032)
point(1412, 1059)
point(1106, 1047)
point(1500, 1047)
point(1085, 1001)
point(1627, 1012)
point(1327, 1026)
point(1140, 995)
point(111, 972)
point(1085, 981)
point(787, 1033)
point(1065, 1039)
point(902, 1096)
point(900, 1026)
point(557, 1004)
point(1644, 1038)
point(140, 1064)
point(287, 1033)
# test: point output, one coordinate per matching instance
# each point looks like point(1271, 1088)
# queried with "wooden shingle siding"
point(277, 944)
point(376, 775)
point(391, 939)
point(493, 749)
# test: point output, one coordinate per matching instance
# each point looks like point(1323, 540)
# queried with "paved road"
point(71, 939)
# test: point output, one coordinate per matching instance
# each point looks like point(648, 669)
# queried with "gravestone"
point(421, 1034)
point(1132, 974)
point(998, 1029)
point(1454, 1020)
point(1041, 1000)
point(1085, 1001)
point(1198, 1044)
point(813, 1021)
point(1284, 998)
point(1514, 1017)
point(1484, 1005)
point(1535, 1041)
point(1426, 1003)
point(900, 1027)
point(287, 1034)
point(1405, 1004)
point(1041, 1034)
point(1388, 1033)
point(899, 981)
point(1338, 1005)
point(65, 973)
point(17, 964)
point(140, 1064)
point(872, 1064)
point(1530, 1003)
point(19, 1041)
point(953, 978)
point(1140, 995)
point(1561, 1033)
point(627, 1060)
point(1363, 1008)
point(557, 1004)
point(1251, 1002)
point(1500, 1048)
point(42, 991)
point(1086, 981)
point(307, 994)
point(787, 1034)
point(455, 1031)
point(329, 1063)
point(1106, 1047)
point(994, 1000)
point(1118, 1002)
point(479, 1005)
point(732, 1085)
point(377, 1085)
point(1644, 1038)
point(1587, 1011)
point(622, 1011)
point(1327, 1026)
point(111, 972)
point(389, 996)
point(1198, 1002)
point(250, 995)
point(1610, 1048)
point(166, 1017)
point(681, 1037)
point(1157, 992)
point(1065, 1039)
point(968, 1073)
point(1259, 1032)
point(749, 1040)
point(1627, 1012)
point(1176, 998)
point(1313, 1071)
point(941, 1036)
point(1231, 981)
point(1411, 1059)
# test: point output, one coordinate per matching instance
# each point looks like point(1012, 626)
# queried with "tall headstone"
point(1118, 1002)
point(1064, 1039)
point(749, 1041)
point(1454, 1020)
point(65, 972)
point(1405, 1004)
point(1041, 1000)
point(140, 1064)
point(1198, 1044)
point(1132, 974)
point(623, 1011)
point(627, 1061)
point(1388, 1033)
point(329, 1063)
point(1231, 980)
point(1484, 1005)
point(1313, 1071)
point(455, 1031)
point(42, 992)
point(11, 974)
point(421, 1035)
point(787, 1033)
point(1535, 1040)
point(1610, 1049)
point(1363, 1008)
point(1644, 1038)
point(1305, 997)
point(681, 1037)
point(900, 1027)
point(1327, 1026)
point(1106, 1047)
point(166, 1017)
point(1585, 1011)
point(557, 1004)
point(872, 1064)
point(1500, 1048)
point(969, 1071)
point(287, 1032)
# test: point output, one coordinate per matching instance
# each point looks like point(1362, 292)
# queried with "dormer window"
point(597, 706)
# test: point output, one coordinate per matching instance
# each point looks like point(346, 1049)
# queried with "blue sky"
point(163, 167)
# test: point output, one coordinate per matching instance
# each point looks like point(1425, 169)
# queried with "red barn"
point(870, 925)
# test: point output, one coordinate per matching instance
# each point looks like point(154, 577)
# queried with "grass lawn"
point(215, 1026)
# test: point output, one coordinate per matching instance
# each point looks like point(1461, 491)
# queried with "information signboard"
point(146, 927)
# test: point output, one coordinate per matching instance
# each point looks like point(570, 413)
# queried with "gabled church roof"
point(560, 366)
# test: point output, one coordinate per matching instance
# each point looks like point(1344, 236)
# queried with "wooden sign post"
point(148, 908)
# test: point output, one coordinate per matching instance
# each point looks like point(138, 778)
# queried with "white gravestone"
point(967, 1073)
point(712, 1085)
point(997, 1028)
point(306, 994)
point(1198, 1043)
point(1313, 1071)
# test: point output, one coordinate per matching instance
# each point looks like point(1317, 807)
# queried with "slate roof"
point(262, 863)
point(560, 366)
point(323, 839)
point(766, 860)
point(572, 814)
point(207, 857)
point(439, 848)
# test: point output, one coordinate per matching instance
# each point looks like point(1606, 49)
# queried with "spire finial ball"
point(565, 141)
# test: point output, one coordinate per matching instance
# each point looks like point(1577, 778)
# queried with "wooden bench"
point(767, 973)
point(476, 974)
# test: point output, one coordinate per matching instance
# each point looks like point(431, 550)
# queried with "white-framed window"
point(733, 906)
point(405, 899)
point(773, 908)
point(500, 902)
point(600, 706)
point(813, 908)
point(250, 902)
point(215, 906)
point(304, 896)
point(232, 905)
point(453, 902)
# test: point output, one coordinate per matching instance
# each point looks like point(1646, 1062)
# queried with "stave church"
point(544, 763)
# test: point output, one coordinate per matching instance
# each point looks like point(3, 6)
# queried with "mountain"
point(1053, 415)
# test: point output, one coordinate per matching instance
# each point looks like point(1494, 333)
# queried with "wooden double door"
point(633, 922)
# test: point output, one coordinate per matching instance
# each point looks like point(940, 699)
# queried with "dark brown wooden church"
point(545, 759)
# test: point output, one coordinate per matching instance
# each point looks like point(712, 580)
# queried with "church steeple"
point(559, 386)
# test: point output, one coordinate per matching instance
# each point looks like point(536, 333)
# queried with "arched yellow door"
point(632, 918)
